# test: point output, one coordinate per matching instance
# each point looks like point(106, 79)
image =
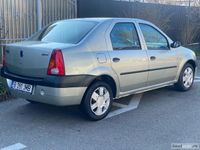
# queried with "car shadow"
point(48, 115)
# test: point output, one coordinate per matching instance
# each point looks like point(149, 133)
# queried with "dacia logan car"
point(91, 61)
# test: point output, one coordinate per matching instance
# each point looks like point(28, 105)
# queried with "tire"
point(97, 101)
point(186, 78)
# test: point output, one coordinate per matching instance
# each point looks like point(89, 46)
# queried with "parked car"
point(91, 61)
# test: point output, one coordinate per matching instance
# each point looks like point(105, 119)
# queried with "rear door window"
point(124, 37)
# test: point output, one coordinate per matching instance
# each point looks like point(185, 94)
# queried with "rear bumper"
point(61, 91)
point(53, 96)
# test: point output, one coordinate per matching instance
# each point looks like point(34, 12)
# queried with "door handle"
point(115, 59)
point(152, 57)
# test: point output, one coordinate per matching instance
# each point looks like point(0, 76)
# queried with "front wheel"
point(186, 78)
point(97, 101)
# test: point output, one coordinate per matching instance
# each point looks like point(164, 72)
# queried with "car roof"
point(99, 19)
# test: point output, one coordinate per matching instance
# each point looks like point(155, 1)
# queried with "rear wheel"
point(97, 101)
point(186, 78)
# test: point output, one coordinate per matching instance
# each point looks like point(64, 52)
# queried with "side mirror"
point(176, 44)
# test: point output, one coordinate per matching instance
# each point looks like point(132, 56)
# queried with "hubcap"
point(100, 101)
point(188, 77)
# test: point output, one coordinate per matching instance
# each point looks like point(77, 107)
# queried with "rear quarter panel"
point(90, 57)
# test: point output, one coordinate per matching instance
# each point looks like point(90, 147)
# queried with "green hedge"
point(195, 48)
point(3, 92)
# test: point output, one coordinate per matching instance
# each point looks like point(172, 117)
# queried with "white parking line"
point(119, 105)
point(197, 77)
point(133, 104)
point(17, 146)
point(197, 80)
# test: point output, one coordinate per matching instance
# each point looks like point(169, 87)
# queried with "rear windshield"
point(70, 31)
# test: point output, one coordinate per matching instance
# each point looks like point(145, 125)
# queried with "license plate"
point(22, 87)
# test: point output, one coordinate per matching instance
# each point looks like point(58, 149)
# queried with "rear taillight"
point(56, 64)
point(4, 56)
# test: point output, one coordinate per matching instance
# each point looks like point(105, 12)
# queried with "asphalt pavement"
point(163, 117)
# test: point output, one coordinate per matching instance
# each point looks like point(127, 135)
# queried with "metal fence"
point(195, 3)
point(19, 19)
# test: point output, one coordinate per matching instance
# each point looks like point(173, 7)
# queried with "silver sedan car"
point(91, 61)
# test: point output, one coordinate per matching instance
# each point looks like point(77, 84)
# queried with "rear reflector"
point(56, 64)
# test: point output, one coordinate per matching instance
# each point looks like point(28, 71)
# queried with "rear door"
point(128, 59)
point(162, 60)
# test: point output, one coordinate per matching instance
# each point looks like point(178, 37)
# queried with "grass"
point(197, 52)
point(3, 92)
point(195, 48)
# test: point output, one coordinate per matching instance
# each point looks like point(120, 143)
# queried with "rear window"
point(68, 31)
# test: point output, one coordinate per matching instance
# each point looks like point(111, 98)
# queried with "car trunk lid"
point(30, 58)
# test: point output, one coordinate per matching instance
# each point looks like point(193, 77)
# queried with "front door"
point(162, 60)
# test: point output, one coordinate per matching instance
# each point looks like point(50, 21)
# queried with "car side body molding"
point(154, 69)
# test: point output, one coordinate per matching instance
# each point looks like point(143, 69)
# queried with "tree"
point(160, 15)
point(193, 23)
